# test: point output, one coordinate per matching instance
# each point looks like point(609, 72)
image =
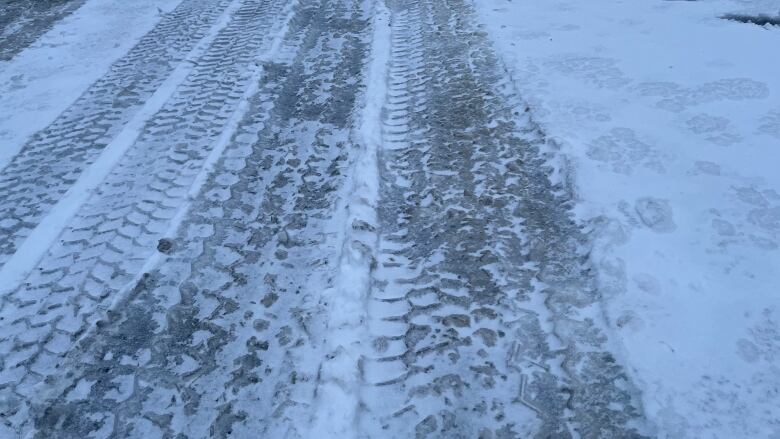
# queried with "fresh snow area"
point(43, 80)
point(670, 119)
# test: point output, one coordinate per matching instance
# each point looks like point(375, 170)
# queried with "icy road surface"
point(292, 218)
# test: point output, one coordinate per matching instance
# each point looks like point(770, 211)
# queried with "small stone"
point(165, 245)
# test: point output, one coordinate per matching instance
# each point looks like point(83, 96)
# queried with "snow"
point(43, 80)
point(217, 151)
point(666, 116)
point(338, 401)
point(243, 106)
point(669, 118)
point(43, 235)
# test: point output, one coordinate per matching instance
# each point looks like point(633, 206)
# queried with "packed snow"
point(43, 80)
point(353, 218)
point(47, 231)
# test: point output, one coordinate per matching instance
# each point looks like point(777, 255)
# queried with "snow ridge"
point(339, 393)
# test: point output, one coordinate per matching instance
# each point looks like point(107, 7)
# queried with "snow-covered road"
point(298, 218)
point(22, 22)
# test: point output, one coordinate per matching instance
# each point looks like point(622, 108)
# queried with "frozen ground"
point(411, 218)
point(670, 119)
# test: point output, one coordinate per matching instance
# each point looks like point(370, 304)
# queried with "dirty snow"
point(42, 237)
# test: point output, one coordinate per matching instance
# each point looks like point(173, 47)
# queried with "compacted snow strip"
point(44, 234)
point(44, 79)
point(338, 396)
point(669, 117)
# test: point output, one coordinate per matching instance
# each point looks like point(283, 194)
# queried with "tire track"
point(481, 316)
point(224, 338)
point(54, 158)
point(482, 320)
point(23, 22)
point(109, 240)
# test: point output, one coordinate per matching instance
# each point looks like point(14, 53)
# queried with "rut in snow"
point(481, 312)
point(279, 254)
point(54, 158)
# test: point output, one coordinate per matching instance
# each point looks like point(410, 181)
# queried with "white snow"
point(49, 228)
point(43, 80)
point(670, 118)
point(338, 401)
